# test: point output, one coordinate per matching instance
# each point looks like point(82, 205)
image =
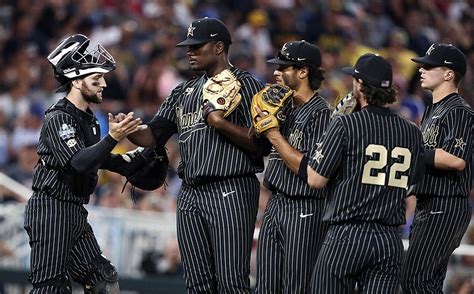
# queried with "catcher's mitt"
point(221, 92)
point(345, 105)
point(272, 101)
point(150, 167)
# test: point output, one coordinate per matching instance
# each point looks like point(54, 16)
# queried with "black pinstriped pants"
point(437, 229)
point(61, 240)
point(289, 241)
point(215, 224)
point(366, 254)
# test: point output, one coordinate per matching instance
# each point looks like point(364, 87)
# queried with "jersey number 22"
point(398, 168)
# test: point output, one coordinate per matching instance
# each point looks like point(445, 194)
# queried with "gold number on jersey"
point(381, 162)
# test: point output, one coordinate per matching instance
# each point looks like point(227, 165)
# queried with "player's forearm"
point(445, 160)
point(238, 135)
point(142, 138)
point(315, 180)
point(91, 157)
point(290, 156)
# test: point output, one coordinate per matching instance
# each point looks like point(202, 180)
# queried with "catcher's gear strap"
point(61, 284)
point(303, 169)
point(107, 277)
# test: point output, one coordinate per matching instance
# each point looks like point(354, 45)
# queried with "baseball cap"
point(204, 30)
point(373, 69)
point(447, 55)
point(298, 53)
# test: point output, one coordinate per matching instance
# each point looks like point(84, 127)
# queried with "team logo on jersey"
point(71, 143)
point(295, 139)
point(318, 154)
point(460, 143)
point(430, 136)
point(188, 91)
point(66, 132)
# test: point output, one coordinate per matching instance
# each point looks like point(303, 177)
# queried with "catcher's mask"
point(72, 59)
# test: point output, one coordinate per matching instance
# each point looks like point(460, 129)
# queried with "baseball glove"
point(149, 167)
point(345, 105)
point(272, 101)
point(221, 92)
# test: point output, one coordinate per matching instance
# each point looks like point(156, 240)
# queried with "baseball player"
point(442, 211)
point(218, 199)
point(292, 230)
point(371, 157)
point(62, 242)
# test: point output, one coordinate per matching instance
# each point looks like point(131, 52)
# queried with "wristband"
point(303, 169)
point(430, 157)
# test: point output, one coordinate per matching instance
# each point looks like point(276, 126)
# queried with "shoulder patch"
point(66, 132)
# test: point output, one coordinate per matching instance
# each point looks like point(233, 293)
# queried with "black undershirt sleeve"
point(162, 129)
point(91, 157)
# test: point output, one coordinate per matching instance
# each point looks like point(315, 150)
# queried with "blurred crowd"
point(142, 34)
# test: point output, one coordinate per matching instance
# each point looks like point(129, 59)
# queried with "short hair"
point(457, 78)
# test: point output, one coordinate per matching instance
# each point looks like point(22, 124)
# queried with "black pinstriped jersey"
point(62, 137)
point(205, 153)
point(303, 128)
point(449, 125)
point(375, 155)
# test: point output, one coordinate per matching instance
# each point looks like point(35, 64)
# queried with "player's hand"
point(262, 115)
point(215, 117)
point(122, 125)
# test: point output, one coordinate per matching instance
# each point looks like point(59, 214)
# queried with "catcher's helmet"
point(71, 59)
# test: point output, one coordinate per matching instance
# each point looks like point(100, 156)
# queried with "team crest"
point(188, 91)
point(430, 136)
point(432, 47)
point(318, 154)
point(460, 143)
point(67, 132)
point(71, 143)
point(191, 30)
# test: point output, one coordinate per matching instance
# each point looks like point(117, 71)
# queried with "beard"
point(90, 96)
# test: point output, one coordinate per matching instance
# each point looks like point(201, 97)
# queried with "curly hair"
point(315, 76)
point(379, 96)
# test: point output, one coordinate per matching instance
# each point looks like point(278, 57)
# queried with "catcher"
point(63, 245)
point(218, 200)
point(292, 231)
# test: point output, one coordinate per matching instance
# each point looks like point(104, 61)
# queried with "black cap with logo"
point(299, 53)
point(373, 70)
point(444, 55)
point(204, 30)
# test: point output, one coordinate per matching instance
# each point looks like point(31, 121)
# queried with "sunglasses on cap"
point(287, 56)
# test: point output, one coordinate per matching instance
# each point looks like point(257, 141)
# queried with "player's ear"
point(219, 47)
point(76, 83)
point(449, 75)
point(303, 72)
